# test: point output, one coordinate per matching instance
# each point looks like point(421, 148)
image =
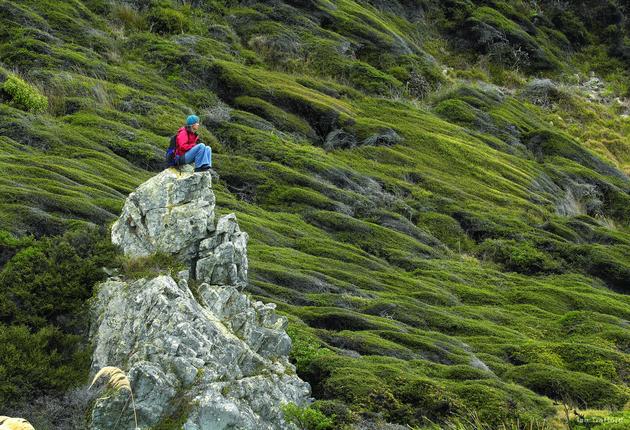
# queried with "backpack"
point(170, 158)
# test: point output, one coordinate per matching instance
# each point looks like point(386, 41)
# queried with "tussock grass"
point(116, 380)
point(8, 423)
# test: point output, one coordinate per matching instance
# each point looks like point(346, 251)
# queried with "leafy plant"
point(305, 348)
point(306, 418)
point(24, 95)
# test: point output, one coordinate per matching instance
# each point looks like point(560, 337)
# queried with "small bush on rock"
point(151, 266)
point(543, 92)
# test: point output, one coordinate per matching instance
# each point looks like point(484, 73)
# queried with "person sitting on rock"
point(188, 147)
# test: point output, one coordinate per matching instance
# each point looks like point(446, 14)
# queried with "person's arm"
point(183, 141)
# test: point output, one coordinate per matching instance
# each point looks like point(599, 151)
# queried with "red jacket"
point(184, 141)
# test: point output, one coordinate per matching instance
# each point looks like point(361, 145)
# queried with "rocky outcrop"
point(198, 352)
point(170, 213)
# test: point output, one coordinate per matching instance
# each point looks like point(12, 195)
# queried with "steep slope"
point(445, 231)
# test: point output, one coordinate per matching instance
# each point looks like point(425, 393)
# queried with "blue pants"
point(200, 154)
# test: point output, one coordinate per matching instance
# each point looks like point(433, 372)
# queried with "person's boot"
point(202, 168)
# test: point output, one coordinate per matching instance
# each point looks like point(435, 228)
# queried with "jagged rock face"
point(225, 355)
point(171, 213)
point(222, 258)
point(212, 360)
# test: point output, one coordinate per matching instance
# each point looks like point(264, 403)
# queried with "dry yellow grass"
point(117, 380)
point(8, 423)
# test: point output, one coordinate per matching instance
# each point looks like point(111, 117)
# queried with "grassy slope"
point(404, 263)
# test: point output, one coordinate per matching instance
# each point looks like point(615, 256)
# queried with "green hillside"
point(436, 192)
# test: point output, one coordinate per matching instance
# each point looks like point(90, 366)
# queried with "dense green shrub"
point(43, 289)
point(371, 80)
point(280, 118)
point(446, 229)
point(10, 244)
point(50, 280)
point(304, 348)
point(425, 399)
point(23, 95)
point(456, 111)
point(518, 256)
point(164, 20)
point(336, 411)
point(570, 24)
point(534, 352)
point(34, 362)
point(506, 42)
point(549, 143)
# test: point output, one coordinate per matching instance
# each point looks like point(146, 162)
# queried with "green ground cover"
point(447, 232)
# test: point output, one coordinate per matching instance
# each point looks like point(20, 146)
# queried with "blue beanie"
point(192, 119)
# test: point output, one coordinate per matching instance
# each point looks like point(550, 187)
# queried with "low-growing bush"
point(23, 95)
point(370, 79)
point(306, 418)
point(280, 118)
point(167, 21)
point(456, 111)
point(518, 256)
point(305, 347)
point(446, 229)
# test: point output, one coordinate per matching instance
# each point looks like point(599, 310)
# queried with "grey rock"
point(215, 356)
point(339, 139)
point(169, 213)
point(222, 257)
point(387, 137)
point(580, 198)
point(184, 275)
point(226, 354)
